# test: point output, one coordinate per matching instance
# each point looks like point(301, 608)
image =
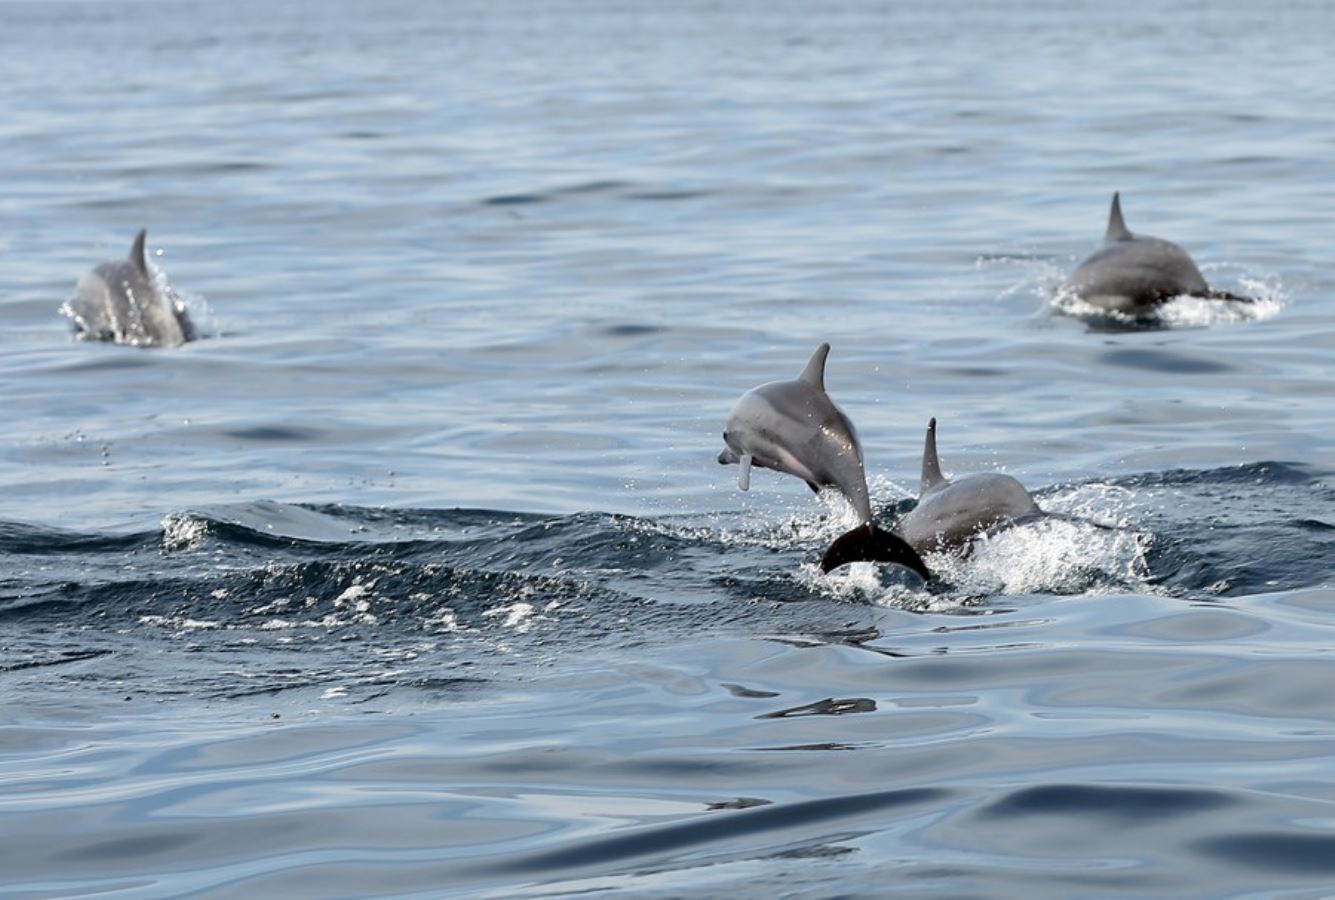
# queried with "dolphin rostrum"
point(121, 301)
point(794, 427)
point(951, 513)
point(1133, 273)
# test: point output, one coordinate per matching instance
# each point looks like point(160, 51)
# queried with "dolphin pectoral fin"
point(867, 543)
point(744, 474)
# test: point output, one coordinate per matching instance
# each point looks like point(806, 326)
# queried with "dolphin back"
point(122, 301)
point(867, 543)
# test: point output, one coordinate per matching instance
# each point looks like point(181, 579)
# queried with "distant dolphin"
point(1133, 273)
point(951, 513)
point(794, 427)
point(121, 301)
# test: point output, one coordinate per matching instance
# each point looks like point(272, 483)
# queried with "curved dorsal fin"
point(931, 466)
point(1117, 230)
point(137, 252)
point(814, 373)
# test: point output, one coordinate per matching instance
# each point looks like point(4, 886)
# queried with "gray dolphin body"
point(951, 513)
point(1133, 273)
point(121, 301)
point(794, 427)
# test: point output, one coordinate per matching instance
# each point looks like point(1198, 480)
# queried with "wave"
point(1225, 531)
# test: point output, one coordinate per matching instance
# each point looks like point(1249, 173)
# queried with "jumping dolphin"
point(794, 427)
point(121, 301)
point(951, 513)
point(1133, 273)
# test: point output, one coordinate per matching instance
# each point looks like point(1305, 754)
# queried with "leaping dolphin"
point(1132, 273)
point(121, 301)
point(794, 427)
point(951, 513)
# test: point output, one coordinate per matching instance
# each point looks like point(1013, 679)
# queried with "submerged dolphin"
point(121, 301)
point(1133, 273)
point(794, 427)
point(951, 513)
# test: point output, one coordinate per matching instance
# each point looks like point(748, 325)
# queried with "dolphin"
point(121, 301)
point(951, 513)
point(794, 427)
point(1133, 273)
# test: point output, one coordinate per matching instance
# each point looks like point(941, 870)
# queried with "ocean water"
point(417, 575)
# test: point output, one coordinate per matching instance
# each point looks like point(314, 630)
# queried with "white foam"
point(1185, 311)
point(518, 616)
point(195, 306)
point(180, 624)
point(183, 533)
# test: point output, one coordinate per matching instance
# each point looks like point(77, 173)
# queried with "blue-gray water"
point(418, 576)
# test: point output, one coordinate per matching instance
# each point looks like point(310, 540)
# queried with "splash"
point(1086, 545)
point(181, 533)
point(1181, 312)
point(124, 317)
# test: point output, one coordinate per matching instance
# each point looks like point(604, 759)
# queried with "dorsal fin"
point(1117, 230)
point(931, 466)
point(137, 252)
point(814, 373)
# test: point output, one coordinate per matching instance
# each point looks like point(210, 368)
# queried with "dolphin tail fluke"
point(867, 543)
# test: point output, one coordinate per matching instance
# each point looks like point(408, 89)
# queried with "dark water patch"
point(600, 186)
point(201, 169)
point(145, 845)
point(1234, 560)
point(276, 434)
point(978, 371)
point(1280, 853)
point(582, 189)
point(1258, 473)
point(1235, 530)
point(69, 656)
point(632, 330)
point(337, 523)
point(515, 200)
point(1124, 804)
point(20, 539)
point(1166, 361)
point(660, 841)
point(667, 195)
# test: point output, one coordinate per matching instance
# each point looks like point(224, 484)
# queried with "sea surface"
point(417, 575)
